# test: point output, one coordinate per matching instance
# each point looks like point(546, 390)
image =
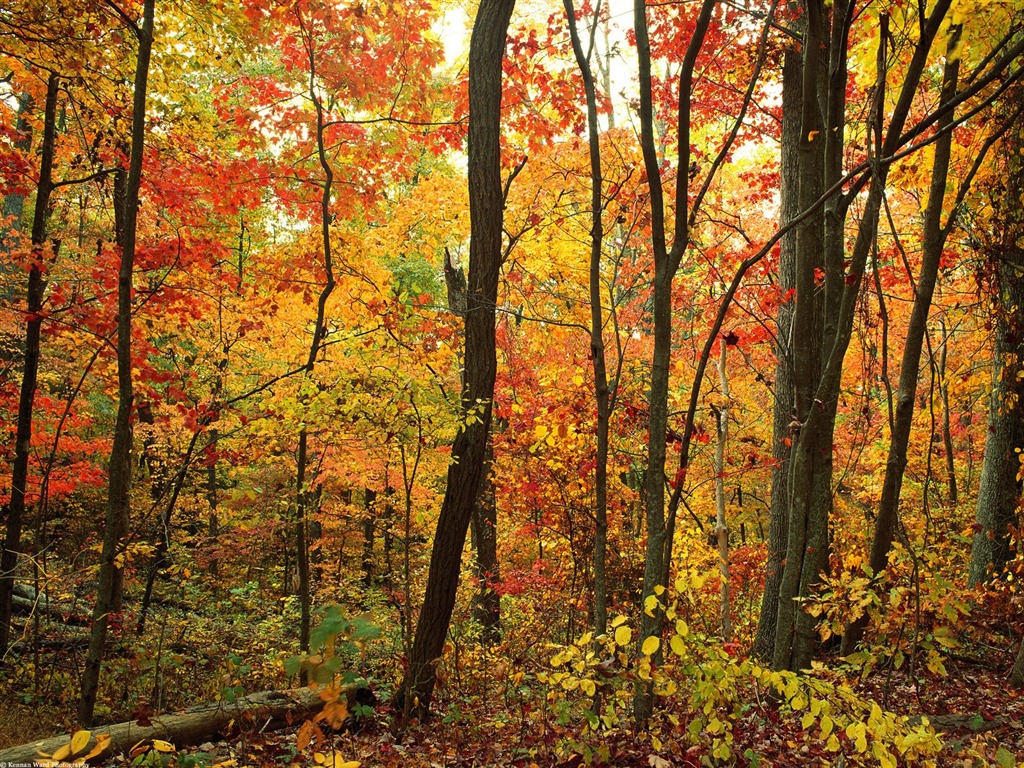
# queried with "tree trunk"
point(486, 199)
point(933, 241)
point(784, 408)
point(658, 550)
point(999, 491)
point(369, 530)
point(120, 472)
point(602, 393)
point(303, 496)
point(160, 560)
point(721, 523)
point(487, 602)
point(15, 508)
point(1017, 673)
point(811, 473)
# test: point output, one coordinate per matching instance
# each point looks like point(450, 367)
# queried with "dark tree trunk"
point(15, 509)
point(784, 409)
point(487, 50)
point(933, 241)
point(487, 602)
point(303, 495)
point(369, 530)
point(212, 496)
point(118, 503)
point(602, 393)
point(811, 461)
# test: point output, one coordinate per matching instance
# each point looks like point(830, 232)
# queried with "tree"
point(783, 408)
point(999, 492)
point(823, 319)
point(602, 393)
point(666, 263)
point(486, 53)
point(120, 467)
point(15, 508)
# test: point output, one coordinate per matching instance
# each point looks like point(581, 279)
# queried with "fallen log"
point(260, 711)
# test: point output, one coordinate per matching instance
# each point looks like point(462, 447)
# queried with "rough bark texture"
point(999, 492)
point(784, 408)
point(933, 240)
point(15, 508)
point(487, 601)
point(182, 729)
point(120, 471)
point(486, 203)
point(803, 534)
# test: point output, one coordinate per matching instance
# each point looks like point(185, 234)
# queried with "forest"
point(495, 383)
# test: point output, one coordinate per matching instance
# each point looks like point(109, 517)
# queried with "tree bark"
point(602, 394)
point(15, 508)
point(721, 522)
point(182, 729)
point(487, 50)
point(784, 410)
point(658, 550)
point(1000, 487)
point(303, 495)
point(120, 472)
point(487, 601)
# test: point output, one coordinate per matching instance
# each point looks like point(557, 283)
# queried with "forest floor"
point(973, 708)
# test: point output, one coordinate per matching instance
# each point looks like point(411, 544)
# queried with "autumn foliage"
point(298, 304)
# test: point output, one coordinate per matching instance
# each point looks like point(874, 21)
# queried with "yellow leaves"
point(623, 634)
point(162, 746)
point(650, 645)
point(334, 760)
point(79, 741)
point(650, 604)
point(857, 733)
point(677, 645)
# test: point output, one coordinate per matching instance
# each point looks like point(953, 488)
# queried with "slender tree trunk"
point(118, 502)
point(1017, 673)
point(15, 508)
point(465, 472)
point(784, 408)
point(934, 238)
point(212, 496)
point(163, 545)
point(602, 394)
point(303, 495)
point(952, 495)
point(658, 550)
point(721, 523)
point(369, 530)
